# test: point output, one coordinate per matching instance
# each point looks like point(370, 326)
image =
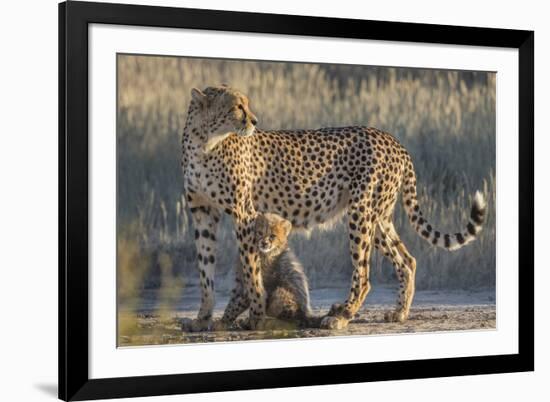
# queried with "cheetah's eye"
point(272, 237)
point(238, 108)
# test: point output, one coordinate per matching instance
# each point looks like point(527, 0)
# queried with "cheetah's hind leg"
point(405, 268)
point(361, 232)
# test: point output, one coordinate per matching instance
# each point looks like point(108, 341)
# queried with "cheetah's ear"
point(287, 226)
point(198, 96)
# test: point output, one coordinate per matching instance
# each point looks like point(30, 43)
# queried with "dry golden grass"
point(134, 263)
point(132, 266)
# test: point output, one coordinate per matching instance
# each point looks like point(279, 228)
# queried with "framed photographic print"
point(258, 200)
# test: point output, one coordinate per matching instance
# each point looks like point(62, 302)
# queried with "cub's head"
point(272, 233)
point(223, 110)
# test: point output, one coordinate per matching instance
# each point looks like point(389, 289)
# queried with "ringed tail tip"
point(479, 201)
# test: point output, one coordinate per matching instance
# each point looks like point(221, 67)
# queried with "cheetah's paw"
point(395, 316)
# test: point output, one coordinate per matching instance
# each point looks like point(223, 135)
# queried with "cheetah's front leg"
point(251, 273)
point(205, 222)
point(237, 303)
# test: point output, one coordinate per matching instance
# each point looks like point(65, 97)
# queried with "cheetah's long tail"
point(447, 241)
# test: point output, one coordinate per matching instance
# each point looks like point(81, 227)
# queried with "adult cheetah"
point(310, 177)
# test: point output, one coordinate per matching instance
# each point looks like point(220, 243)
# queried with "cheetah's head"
point(223, 111)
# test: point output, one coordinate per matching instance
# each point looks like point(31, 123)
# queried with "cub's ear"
point(259, 221)
point(287, 226)
point(198, 96)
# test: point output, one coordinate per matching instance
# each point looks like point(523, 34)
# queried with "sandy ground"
point(431, 311)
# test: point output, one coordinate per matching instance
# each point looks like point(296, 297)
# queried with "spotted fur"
point(309, 177)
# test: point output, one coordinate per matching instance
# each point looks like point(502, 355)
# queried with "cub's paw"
point(257, 324)
point(395, 316)
point(195, 325)
point(243, 324)
point(271, 323)
point(334, 322)
point(220, 325)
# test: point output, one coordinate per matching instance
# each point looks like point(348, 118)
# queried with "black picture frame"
point(74, 381)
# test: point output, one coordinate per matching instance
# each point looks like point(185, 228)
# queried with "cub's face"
point(226, 111)
point(272, 233)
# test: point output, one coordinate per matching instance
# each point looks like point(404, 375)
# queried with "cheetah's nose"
point(254, 120)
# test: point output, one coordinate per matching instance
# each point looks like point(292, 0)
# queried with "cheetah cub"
point(283, 276)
